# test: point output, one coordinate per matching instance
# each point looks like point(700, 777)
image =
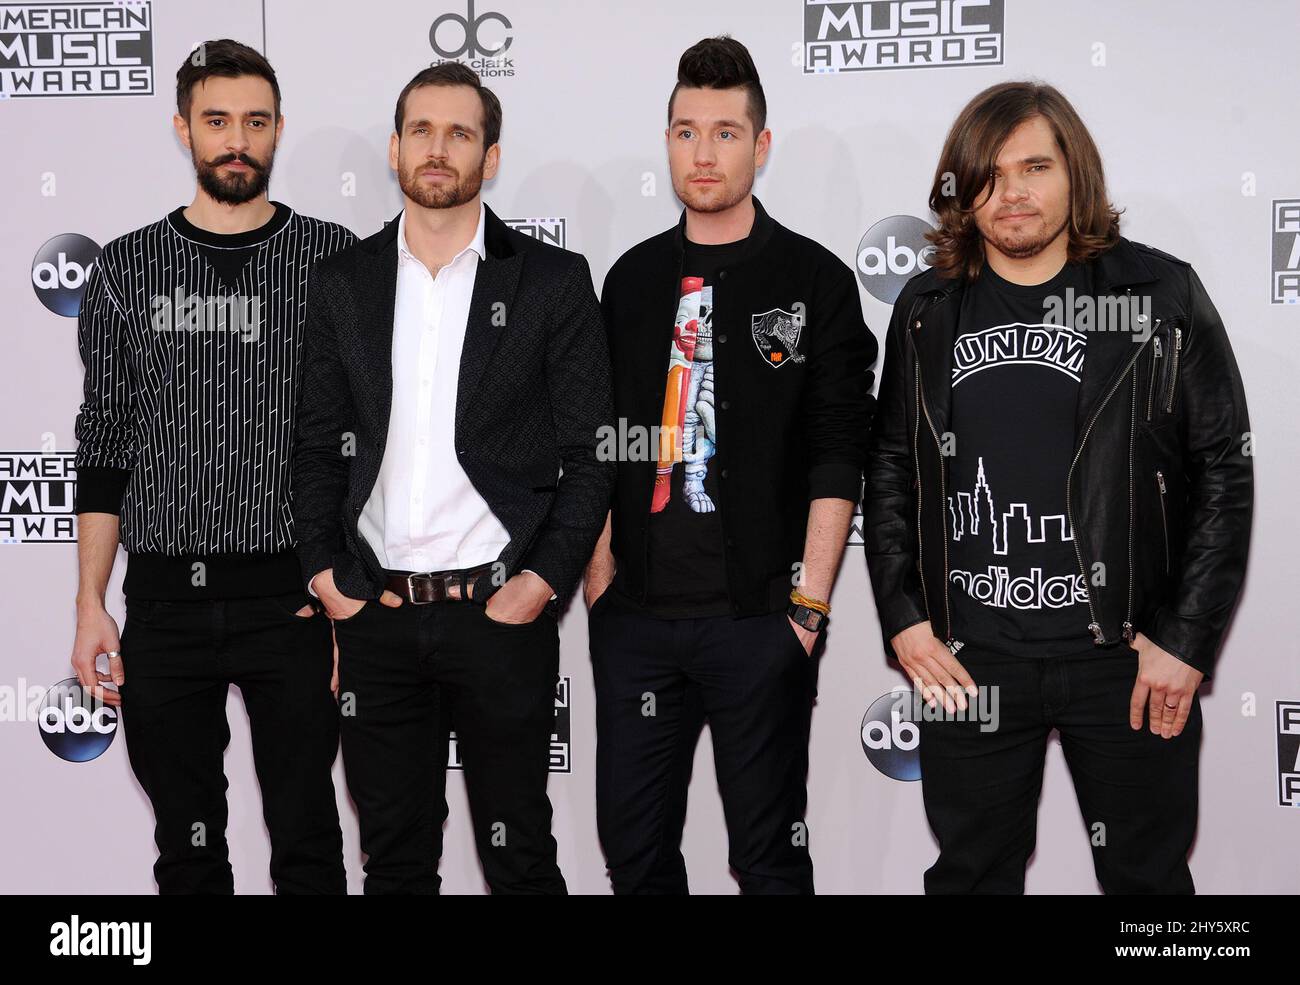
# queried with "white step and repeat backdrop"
point(1192, 103)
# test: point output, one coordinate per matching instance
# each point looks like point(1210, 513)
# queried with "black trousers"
point(180, 659)
point(410, 675)
point(657, 681)
point(1137, 792)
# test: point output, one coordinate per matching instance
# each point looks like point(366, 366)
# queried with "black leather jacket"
point(1160, 487)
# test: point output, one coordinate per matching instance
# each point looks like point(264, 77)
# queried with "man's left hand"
point(1165, 686)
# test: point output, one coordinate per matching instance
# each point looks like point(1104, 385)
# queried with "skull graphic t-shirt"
point(686, 567)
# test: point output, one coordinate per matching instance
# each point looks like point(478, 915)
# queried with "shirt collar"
point(476, 244)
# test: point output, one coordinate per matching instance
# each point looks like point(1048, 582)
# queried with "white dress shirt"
point(423, 513)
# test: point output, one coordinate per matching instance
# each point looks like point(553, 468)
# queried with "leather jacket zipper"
point(916, 458)
point(1094, 627)
point(916, 461)
point(1164, 519)
point(1127, 629)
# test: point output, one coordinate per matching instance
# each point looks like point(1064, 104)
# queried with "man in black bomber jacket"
point(1057, 505)
point(742, 388)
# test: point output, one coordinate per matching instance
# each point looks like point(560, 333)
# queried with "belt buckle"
point(410, 592)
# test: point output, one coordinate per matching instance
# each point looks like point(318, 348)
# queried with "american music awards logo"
point(561, 732)
point(883, 34)
point(76, 49)
point(1286, 251)
point(553, 231)
point(37, 495)
point(1288, 753)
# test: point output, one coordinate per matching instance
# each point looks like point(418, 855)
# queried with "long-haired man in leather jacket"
point(1057, 505)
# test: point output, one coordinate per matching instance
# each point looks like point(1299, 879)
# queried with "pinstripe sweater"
point(186, 426)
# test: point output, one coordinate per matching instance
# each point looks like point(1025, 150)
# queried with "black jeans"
point(180, 659)
point(410, 675)
point(1137, 792)
point(657, 680)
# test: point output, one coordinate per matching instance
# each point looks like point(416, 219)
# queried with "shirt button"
point(722, 275)
point(726, 405)
point(722, 338)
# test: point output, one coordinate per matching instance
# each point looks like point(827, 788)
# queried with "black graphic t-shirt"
point(1015, 585)
point(686, 570)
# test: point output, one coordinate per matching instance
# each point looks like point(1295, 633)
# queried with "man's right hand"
point(933, 668)
point(339, 606)
point(96, 634)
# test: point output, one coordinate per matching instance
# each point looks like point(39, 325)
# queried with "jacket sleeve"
point(1220, 490)
point(578, 378)
point(324, 433)
point(837, 402)
point(105, 426)
point(889, 498)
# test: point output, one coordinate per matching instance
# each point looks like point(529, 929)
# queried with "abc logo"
point(60, 270)
point(892, 252)
point(74, 726)
point(890, 736)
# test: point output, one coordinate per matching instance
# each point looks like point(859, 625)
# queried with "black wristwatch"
point(809, 619)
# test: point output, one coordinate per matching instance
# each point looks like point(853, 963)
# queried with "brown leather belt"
point(421, 588)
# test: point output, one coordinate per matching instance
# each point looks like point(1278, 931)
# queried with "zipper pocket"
point(1173, 368)
point(1164, 521)
point(1157, 360)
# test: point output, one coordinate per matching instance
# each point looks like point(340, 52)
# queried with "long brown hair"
point(967, 163)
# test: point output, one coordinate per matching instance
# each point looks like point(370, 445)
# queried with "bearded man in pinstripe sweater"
point(191, 332)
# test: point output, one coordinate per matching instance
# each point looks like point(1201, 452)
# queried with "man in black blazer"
point(447, 495)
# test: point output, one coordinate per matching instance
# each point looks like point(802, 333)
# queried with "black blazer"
point(533, 392)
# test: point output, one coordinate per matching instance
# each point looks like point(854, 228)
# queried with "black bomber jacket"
point(789, 431)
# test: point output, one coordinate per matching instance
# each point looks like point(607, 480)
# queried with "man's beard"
point(231, 188)
point(701, 201)
point(443, 196)
point(1022, 248)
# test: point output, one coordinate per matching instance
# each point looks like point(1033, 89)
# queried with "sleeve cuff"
point(835, 480)
point(100, 490)
point(554, 596)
